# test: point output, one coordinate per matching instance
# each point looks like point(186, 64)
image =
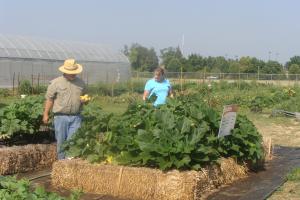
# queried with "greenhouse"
point(38, 60)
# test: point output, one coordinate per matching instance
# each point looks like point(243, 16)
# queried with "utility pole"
point(236, 57)
point(181, 67)
point(277, 54)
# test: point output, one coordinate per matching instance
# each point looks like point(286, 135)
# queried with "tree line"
point(171, 58)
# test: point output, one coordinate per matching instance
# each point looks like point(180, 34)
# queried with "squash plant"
point(13, 189)
point(181, 134)
point(23, 116)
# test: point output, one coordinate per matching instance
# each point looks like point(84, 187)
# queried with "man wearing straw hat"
point(63, 96)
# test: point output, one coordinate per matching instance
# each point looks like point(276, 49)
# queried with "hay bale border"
point(140, 183)
point(17, 159)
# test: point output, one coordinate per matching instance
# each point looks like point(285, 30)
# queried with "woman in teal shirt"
point(159, 87)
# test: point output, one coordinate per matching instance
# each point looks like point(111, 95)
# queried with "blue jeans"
point(65, 126)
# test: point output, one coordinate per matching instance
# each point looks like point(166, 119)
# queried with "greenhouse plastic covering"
point(37, 60)
point(24, 47)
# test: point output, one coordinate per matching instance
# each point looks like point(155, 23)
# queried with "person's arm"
point(171, 93)
point(48, 106)
point(50, 95)
point(145, 95)
point(148, 88)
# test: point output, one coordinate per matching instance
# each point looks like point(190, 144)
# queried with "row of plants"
point(13, 189)
point(23, 116)
point(252, 96)
point(179, 135)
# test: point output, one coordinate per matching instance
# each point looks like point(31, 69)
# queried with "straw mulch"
point(139, 183)
point(26, 158)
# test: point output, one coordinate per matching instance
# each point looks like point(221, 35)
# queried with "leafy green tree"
point(174, 65)
point(221, 65)
point(195, 63)
point(172, 58)
point(272, 67)
point(234, 67)
point(293, 60)
point(141, 58)
point(249, 65)
point(294, 69)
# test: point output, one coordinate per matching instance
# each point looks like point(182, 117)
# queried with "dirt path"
point(262, 184)
point(285, 134)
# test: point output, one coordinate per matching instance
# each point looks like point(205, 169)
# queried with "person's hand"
point(84, 99)
point(171, 95)
point(45, 118)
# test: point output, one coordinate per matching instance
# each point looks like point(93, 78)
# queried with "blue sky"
point(210, 27)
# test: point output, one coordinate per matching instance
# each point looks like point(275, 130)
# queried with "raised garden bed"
point(17, 159)
point(140, 183)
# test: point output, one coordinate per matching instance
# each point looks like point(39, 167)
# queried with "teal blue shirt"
point(159, 89)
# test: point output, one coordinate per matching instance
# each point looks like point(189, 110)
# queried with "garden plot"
point(26, 158)
point(140, 183)
point(20, 135)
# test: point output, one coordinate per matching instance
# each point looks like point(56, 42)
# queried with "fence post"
point(14, 84)
point(181, 79)
point(38, 81)
point(18, 80)
point(239, 79)
point(31, 83)
point(106, 78)
point(87, 80)
point(112, 89)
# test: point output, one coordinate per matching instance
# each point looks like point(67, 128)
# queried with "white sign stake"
point(228, 120)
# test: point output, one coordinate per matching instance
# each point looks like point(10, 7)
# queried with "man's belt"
point(66, 114)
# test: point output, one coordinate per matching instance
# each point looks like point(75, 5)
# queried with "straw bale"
point(140, 183)
point(26, 158)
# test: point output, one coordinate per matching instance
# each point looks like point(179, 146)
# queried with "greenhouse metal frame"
point(34, 58)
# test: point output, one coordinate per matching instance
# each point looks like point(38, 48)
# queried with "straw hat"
point(70, 67)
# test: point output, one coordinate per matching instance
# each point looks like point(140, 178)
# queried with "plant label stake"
point(228, 120)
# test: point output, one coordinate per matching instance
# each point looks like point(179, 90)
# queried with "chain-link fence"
point(186, 77)
point(112, 83)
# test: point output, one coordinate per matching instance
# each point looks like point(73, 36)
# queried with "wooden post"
point(87, 80)
point(18, 80)
point(106, 78)
point(112, 89)
point(14, 76)
point(31, 83)
point(38, 84)
point(270, 148)
point(239, 79)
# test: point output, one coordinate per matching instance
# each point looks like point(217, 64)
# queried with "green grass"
point(294, 175)
point(113, 107)
point(107, 105)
